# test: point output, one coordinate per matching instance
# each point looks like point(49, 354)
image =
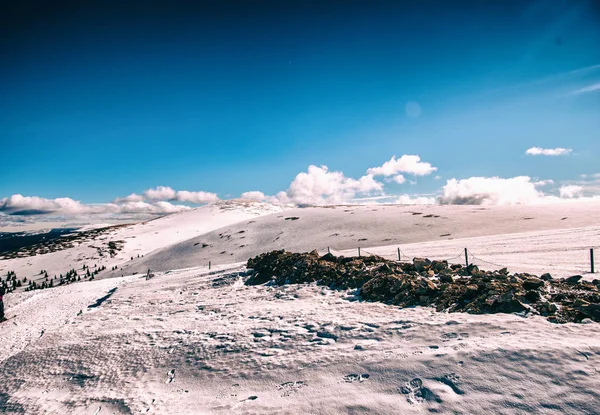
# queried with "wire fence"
point(562, 262)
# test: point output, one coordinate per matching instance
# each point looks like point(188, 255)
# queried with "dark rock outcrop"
point(423, 282)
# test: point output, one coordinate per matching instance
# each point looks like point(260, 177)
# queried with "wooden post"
point(359, 251)
point(466, 257)
point(592, 259)
point(208, 264)
point(398, 254)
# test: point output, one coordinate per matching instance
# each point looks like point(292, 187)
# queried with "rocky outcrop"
point(422, 282)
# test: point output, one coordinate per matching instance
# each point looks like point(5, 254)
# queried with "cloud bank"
point(152, 202)
point(19, 205)
point(490, 191)
point(167, 193)
point(319, 185)
point(521, 190)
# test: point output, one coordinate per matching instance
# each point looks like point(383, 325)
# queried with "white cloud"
point(399, 179)
point(18, 205)
point(195, 197)
point(589, 88)
point(410, 164)
point(538, 151)
point(29, 205)
point(490, 191)
point(541, 183)
point(160, 193)
point(570, 191)
point(167, 193)
point(415, 200)
point(133, 197)
point(320, 186)
point(510, 191)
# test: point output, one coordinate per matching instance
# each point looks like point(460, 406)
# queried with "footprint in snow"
point(417, 393)
point(290, 387)
point(454, 336)
point(452, 380)
point(353, 377)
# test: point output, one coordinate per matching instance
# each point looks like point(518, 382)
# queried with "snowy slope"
point(565, 233)
point(191, 341)
point(179, 343)
point(140, 239)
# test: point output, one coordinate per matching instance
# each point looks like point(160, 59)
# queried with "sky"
point(117, 107)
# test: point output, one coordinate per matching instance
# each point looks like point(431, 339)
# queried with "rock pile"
point(451, 288)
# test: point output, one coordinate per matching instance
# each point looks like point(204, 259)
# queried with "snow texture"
point(192, 341)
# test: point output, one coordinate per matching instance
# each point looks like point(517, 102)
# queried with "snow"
point(140, 239)
point(537, 239)
point(176, 344)
point(194, 341)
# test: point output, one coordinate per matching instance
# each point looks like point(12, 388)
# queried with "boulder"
point(421, 264)
point(574, 279)
point(533, 283)
point(446, 278)
point(438, 266)
point(329, 257)
point(532, 296)
point(381, 288)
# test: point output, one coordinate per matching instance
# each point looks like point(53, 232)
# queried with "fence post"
point(208, 264)
point(592, 259)
point(466, 258)
point(398, 254)
point(359, 251)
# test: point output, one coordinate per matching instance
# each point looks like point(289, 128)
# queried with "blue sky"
point(103, 99)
